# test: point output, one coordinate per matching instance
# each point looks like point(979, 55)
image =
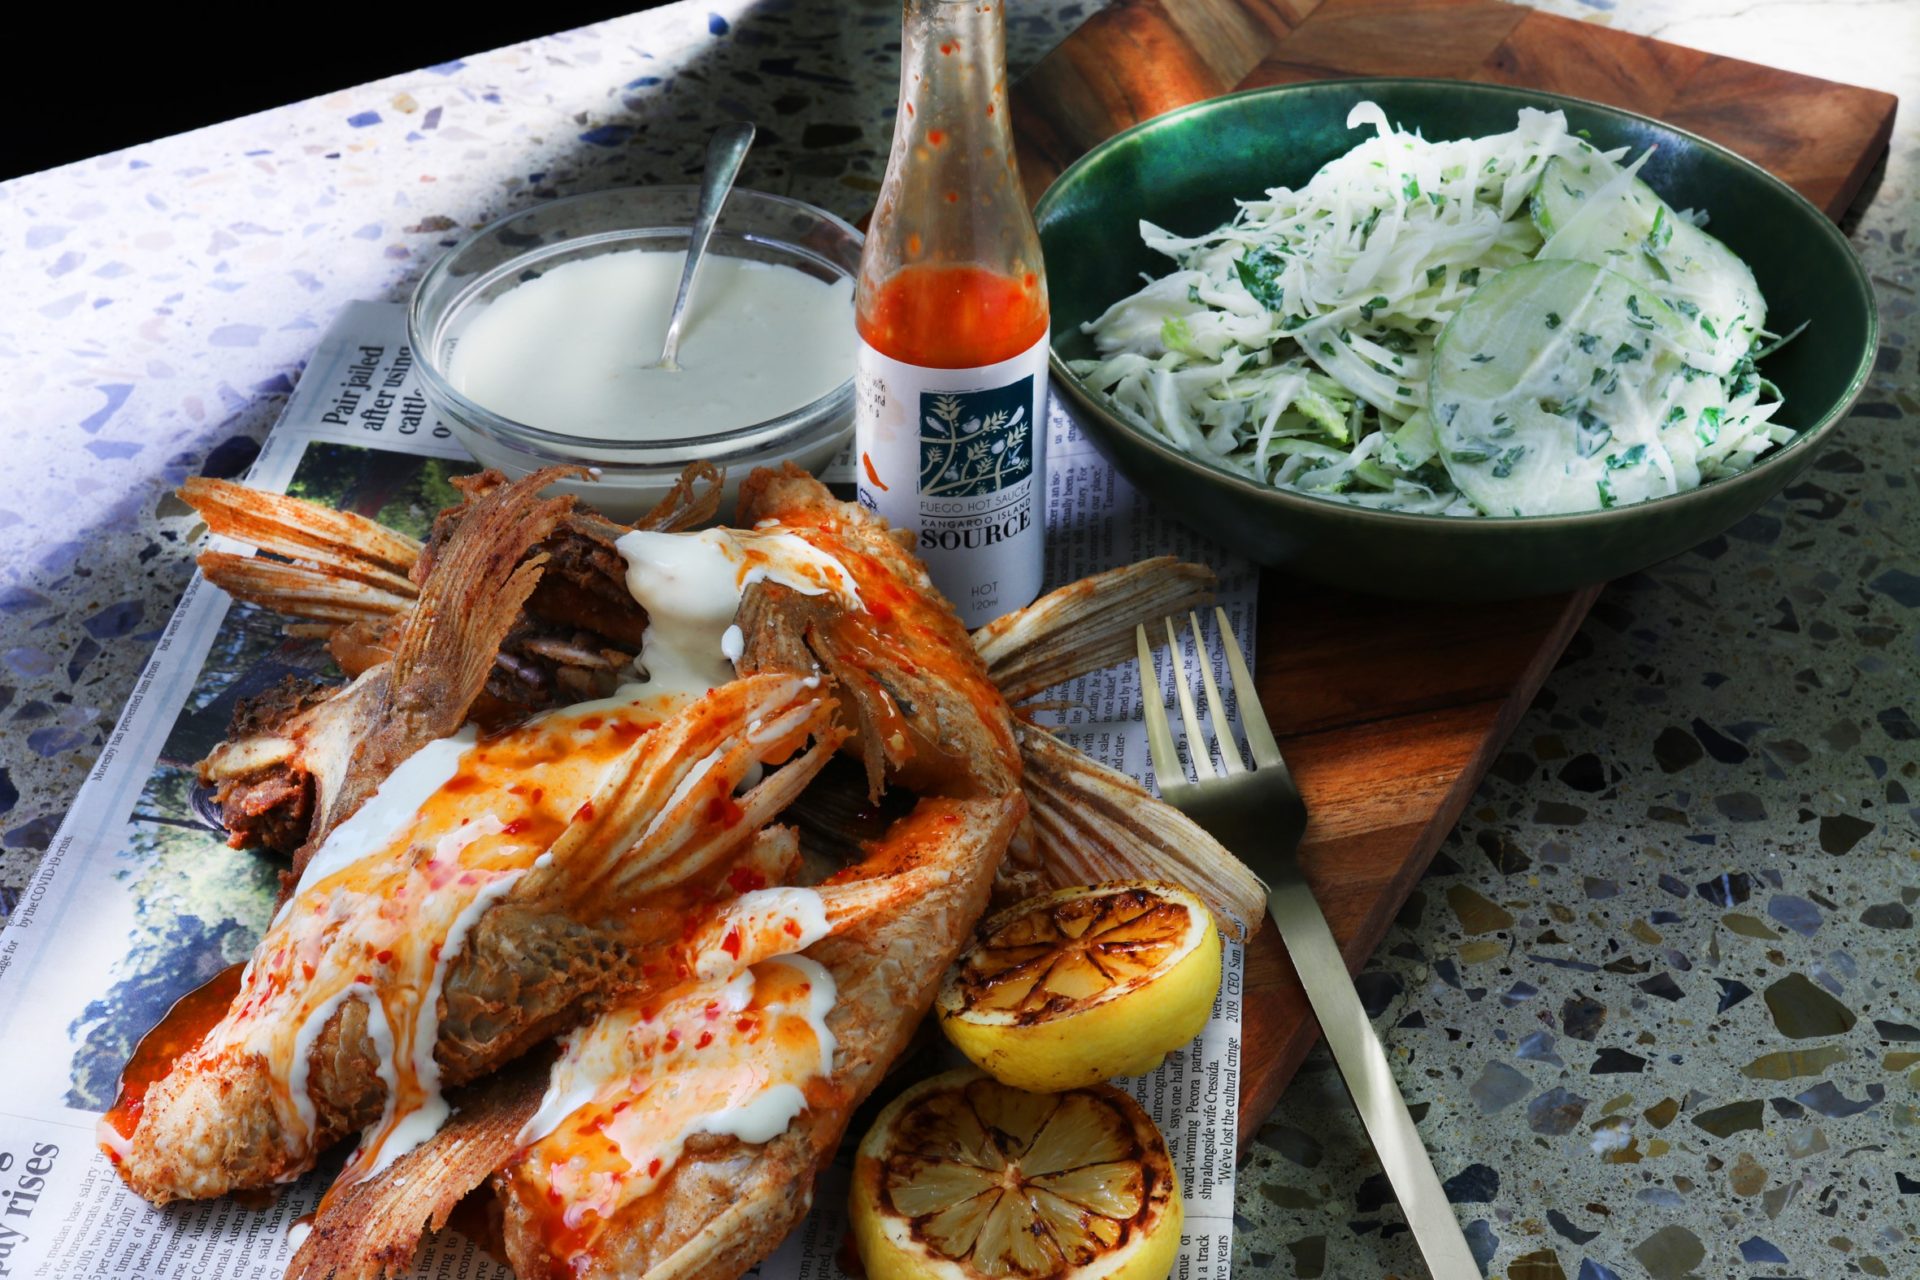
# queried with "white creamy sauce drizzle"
point(691, 583)
point(409, 1131)
point(303, 1039)
point(385, 815)
point(767, 1114)
point(643, 1082)
point(762, 923)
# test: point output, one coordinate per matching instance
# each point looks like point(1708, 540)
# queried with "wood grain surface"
point(1389, 716)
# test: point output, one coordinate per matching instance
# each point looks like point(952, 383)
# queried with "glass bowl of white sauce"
point(537, 337)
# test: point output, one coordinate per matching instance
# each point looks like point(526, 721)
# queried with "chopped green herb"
point(1707, 431)
point(1470, 277)
point(1436, 275)
point(1553, 319)
point(1627, 351)
point(1628, 458)
point(1259, 270)
point(1592, 434)
point(1662, 232)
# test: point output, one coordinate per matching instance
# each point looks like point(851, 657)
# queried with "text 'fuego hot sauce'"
point(951, 390)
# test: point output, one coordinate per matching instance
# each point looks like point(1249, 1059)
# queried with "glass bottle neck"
point(953, 55)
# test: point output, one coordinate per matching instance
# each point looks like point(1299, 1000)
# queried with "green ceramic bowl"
point(1183, 171)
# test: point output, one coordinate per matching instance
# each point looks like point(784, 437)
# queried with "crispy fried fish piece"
point(348, 744)
point(503, 947)
point(726, 1203)
point(928, 716)
point(725, 1207)
point(555, 636)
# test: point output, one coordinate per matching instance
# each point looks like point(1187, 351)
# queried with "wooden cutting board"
point(1389, 714)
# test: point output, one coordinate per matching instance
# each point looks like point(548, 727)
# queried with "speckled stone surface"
point(1655, 1004)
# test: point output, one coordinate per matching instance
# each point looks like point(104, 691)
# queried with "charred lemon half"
point(964, 1178)
point(1085, 984)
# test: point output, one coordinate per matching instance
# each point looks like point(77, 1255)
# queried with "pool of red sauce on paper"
point(177, 1034)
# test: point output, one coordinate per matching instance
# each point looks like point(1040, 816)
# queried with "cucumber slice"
point(1551, 391)
point(1565, 184)
point(1636, 233)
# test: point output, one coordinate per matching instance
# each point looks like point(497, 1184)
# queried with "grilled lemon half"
point(1084, 984)
point(964, 1178)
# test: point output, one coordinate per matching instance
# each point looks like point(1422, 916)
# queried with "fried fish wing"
point(347, 744)
point(435, 953)
point(928, 716)
point(514, 603)
point(725, 1207)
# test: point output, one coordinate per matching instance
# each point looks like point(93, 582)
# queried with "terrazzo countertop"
point(1655, 1001)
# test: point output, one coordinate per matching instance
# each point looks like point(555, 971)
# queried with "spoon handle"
point(725, 152)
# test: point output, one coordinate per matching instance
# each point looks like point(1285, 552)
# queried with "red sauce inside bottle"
point(954, 317)
point(178, 1033)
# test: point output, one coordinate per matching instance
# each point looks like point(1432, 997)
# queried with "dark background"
point(148, 71)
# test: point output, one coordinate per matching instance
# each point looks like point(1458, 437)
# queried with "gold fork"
point(1257, 813)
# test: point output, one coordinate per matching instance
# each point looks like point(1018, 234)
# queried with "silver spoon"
point(725, 151)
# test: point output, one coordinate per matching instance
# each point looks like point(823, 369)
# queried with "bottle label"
point(957, 458)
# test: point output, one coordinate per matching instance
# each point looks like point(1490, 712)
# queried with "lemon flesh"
point(1083, 985)
point(963, 1178)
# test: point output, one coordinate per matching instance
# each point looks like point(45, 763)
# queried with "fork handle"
point(1363, 1064)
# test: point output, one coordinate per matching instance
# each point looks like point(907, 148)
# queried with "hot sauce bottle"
point(951, 388)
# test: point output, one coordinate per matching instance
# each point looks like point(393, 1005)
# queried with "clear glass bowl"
point(631, 475)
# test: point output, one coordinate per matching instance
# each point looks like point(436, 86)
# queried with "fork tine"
point(1253, 718)
point(1216, 707)
point(1166, 761)
point(1197, 749)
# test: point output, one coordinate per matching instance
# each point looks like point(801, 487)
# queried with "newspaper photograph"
point(139, 900)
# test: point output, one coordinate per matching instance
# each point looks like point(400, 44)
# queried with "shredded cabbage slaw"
point(1293, 345)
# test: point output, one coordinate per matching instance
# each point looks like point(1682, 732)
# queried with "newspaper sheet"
point(138, 900)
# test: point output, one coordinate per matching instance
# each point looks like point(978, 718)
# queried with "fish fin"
point(481, 577)
point(444, 652)
point(339, 542)
point(693, 500)
point(1091, 823)
point(371, 1229)
point(1086, 625)
point(304, 590)
point(652, 823)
